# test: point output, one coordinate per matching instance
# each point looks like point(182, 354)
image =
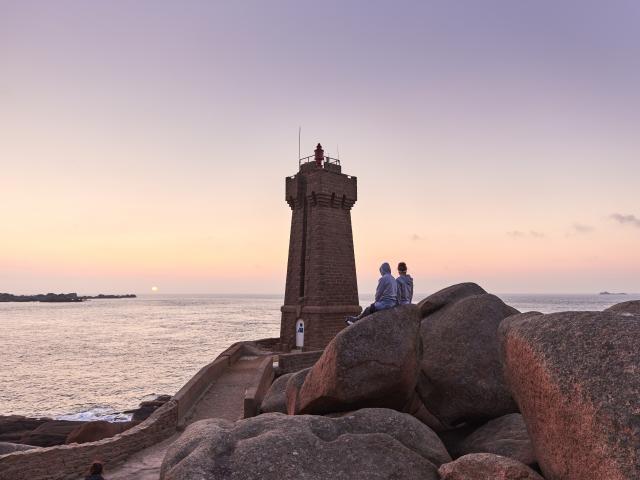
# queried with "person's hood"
point(385, 268)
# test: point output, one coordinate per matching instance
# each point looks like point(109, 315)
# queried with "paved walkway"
point(225, 399)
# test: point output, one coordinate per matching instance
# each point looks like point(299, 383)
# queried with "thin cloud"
point(529, 234)
point(626, 219)
point(581, 228)
point(415, 237)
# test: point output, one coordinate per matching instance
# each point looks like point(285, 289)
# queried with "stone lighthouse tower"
point(321, 288)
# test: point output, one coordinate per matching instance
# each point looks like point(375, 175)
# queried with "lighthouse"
point(321, 288)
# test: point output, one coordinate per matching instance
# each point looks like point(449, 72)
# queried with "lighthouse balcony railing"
point(312, 158)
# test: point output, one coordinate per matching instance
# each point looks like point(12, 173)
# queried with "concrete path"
point(224, 399)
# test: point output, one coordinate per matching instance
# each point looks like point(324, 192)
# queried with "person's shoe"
point(351, 320)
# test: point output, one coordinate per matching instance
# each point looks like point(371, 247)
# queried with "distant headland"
point(612, 293)
point(57, 297)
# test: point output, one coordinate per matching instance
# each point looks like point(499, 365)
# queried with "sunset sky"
point(146, 143)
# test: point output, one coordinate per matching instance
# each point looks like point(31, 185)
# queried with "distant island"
point(612, 293)
point(57, 297)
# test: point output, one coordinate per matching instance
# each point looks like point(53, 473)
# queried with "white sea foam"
point(96, 413)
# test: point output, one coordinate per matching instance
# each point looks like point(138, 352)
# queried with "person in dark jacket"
point(95, 472)
point(405, 285)
point(386, 294)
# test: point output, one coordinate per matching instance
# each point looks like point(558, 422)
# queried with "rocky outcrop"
point(147, 407)
point(292, 390)
point(487, 466)
point(6, 447)
point(461, 376)
point(373, 363)
point(447, 296)
point(50, 433)
point(275, 400)
point(97, 430)
point(367, 444)
point(575, 377)
point(14, 427)
point(506, 436)
point(49, 297)
point(631, 307)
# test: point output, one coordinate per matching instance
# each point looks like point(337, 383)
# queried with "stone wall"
point(293, 362)
point(254, 395)
point(70, 462)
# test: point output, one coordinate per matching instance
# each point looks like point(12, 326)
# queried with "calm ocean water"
point(97, 358)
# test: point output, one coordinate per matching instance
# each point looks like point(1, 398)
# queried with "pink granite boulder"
point(373, 363)
point(487, 466)
point(292, 390)
point(461, 377)
point(447, 296)
point(506, 436)
point(369, 444)
point(576, 379)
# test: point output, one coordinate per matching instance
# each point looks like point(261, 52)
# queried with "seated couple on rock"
point(390, 292)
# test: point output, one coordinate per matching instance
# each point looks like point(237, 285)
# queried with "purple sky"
point(146, 143)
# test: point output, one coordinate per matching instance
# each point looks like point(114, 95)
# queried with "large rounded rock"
point(447, 296)
point(631, 307)
point(367, 444)
point(576, 378)
point(461, 375)
point(506, 436)
point(487, 466)
point(275, 400)
point(373, 363)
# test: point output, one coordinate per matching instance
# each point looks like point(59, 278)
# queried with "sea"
point(99, 358)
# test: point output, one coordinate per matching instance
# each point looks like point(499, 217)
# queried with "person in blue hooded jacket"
point(386, 294)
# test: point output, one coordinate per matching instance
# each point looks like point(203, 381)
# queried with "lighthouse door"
point(300, 333)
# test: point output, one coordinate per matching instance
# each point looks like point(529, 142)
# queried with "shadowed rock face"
point(487, 466)
point(275, 400)
point(576, 378)
point(367, 444)
point(631, 307)
point(461, 377)
point(373, 363)
point(506, 436)
point(292, 390)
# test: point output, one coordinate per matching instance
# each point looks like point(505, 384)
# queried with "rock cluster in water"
point(58, 297)
point(458, 387)
point(19, 433)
